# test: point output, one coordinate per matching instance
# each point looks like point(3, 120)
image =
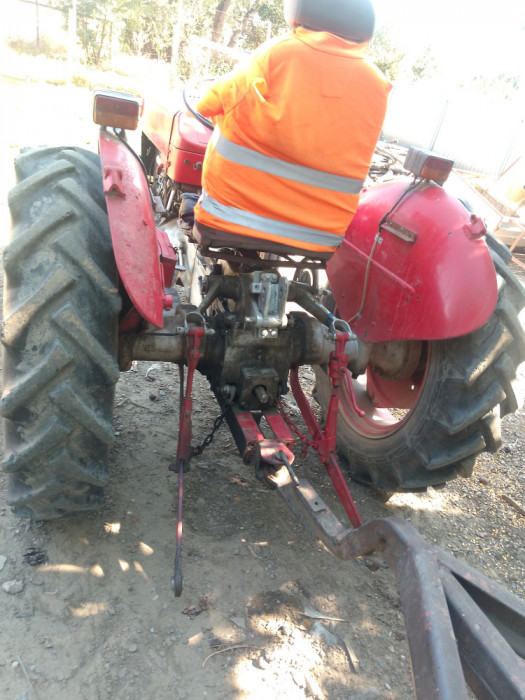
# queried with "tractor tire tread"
point(61, 306)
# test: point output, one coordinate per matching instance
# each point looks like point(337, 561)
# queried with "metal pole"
point(511, 149)
point(37, 26)
point(175, 42)
point(72, 39)
point(439, 125)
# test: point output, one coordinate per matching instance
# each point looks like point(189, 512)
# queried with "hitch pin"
point(293, 476)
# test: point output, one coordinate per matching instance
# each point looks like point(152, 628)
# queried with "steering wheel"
point(203, 120)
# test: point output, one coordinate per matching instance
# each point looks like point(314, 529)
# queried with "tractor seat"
point(215, 238)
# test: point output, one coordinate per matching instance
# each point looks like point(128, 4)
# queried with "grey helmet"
point(349, 19)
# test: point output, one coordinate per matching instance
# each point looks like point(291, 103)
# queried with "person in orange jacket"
point(295, 131)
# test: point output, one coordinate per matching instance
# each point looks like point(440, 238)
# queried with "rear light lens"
point(428, 165)
point(117, 109)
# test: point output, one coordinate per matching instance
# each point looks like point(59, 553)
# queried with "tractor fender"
point(413, 264)
point(132, 225)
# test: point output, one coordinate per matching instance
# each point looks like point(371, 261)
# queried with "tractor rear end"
point(103, 269)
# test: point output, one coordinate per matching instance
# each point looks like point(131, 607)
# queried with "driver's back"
point(295, 132)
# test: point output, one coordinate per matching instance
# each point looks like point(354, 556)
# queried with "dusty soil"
point(96, 617)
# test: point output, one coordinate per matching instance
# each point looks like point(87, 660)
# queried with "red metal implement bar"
point(326, 441)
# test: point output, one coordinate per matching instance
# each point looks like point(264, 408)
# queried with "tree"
point(500, 86)
point(146, 26)
point(236, 24)
point(253, 20)
point(93, 25)
point(425, 66)
point(219, 19)
point(386, 55)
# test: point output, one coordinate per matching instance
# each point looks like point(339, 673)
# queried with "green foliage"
point(94, 26)
point(398, 65)
point(499, 86)
point(82, 82)
point(425, 66)
point(252, 21)
point(148, 27)
point(386, 55)
point(45, 47)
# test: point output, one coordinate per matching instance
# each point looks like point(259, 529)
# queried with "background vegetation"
point(170, 30)
point(193, 38)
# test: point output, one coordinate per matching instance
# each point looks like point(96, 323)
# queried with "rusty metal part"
point(249, 342)
point(398, 359)
point(193, 337)
point(184, 450)
point(326, 440)
point(461, 626)
point(272, 456)
point(305, 440)
point(266, 455)
point(197, 451)
point(252, 445)
point(176, 581)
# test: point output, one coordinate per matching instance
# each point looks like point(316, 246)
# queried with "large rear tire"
point(465, 386)
point(61, 309)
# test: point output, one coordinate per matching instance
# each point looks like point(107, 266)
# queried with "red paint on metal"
point(272, 452)
point(388, 393)
point(156, 122)
point(193, 340)
point(440, 285)
point(180, 138)
point(187, 147)
point(184, 449)
point(476, 227)
point(279, 429)
point(168, 258)
point(132, 227)
point(131, 321)
point(326, 440)
point(249, 427)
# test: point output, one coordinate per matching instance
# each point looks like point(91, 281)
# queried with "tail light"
point(116, 109)
point(428, 165)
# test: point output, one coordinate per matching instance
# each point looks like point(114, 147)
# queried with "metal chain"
point(303, 438)
point(209, 438)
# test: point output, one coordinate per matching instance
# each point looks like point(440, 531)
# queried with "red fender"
point(430, 275)
point(132, 225)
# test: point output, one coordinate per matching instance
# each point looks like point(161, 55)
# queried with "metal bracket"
point(400, 231)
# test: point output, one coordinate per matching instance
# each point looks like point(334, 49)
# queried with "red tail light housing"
point(116, 109)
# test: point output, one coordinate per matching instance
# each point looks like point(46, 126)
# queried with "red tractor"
point(414, 337)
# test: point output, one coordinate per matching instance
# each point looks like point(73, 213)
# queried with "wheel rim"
point(376, 407)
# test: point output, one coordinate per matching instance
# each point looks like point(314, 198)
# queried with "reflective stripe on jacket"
point(295, 133)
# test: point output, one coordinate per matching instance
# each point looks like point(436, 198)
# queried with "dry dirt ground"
point(97, 619)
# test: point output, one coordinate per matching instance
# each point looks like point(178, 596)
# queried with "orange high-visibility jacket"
point(295, 131)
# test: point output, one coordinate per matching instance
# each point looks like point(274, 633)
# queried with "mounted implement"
point(415, 340)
